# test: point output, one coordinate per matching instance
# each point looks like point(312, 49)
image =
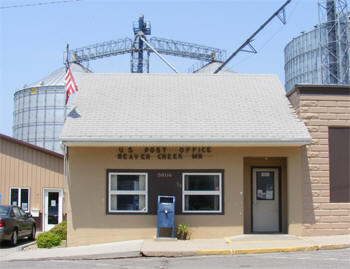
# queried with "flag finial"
point(67, 57)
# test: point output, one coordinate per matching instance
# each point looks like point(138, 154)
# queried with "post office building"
point(229, 148)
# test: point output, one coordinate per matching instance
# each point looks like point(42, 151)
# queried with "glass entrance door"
point(53, 208)
point(265, 200)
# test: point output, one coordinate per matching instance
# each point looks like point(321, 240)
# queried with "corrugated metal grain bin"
point(39, 110)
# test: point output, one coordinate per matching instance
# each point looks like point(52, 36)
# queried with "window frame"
point(339, 184)
point(211, 193)
point(19, 204)
point(124, 192)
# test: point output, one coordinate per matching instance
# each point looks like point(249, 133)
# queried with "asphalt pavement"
point(311, 259)
point(6, 248)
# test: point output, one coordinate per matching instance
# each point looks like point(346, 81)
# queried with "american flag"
point(71, 87)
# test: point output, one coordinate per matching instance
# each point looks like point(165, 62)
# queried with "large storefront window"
point(20, 197)
point(202, 193)
point(128, 192)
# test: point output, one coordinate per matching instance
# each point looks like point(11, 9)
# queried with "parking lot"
point(6, 248)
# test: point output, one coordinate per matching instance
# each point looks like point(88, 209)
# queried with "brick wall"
point(320, 107)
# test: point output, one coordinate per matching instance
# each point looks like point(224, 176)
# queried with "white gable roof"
point(182, 108)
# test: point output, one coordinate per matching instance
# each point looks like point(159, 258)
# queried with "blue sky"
point(32, 39)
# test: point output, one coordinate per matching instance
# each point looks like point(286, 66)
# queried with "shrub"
point(61, 230)
point(48, 240)
point(183, 231)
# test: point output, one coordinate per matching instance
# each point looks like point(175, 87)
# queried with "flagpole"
point(67, 66)
point(66, 167)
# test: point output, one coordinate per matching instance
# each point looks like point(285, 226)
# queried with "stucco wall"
point(319, 111)
point(88, 222)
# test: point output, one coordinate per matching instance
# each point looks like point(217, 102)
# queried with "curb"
point(272, 250)
point(108, 256)
point(215, 252)
point(22, 247)
point(102, 256)
point(329, 247)
point(178, 253)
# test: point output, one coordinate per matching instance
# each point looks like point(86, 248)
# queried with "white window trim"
point(19, 197)
point(184, 193)
point(114, 192)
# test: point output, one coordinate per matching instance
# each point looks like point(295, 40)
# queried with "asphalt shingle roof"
point(230, 108)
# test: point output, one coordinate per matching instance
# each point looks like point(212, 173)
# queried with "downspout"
point(66, 166)
point(64, 148)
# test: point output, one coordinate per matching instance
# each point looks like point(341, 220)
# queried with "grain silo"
point(39, 109)
point(321, 55)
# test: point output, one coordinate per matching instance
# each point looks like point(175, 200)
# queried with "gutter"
point(75, 141)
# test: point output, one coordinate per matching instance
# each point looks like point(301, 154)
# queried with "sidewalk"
point(241, 244)
point(127, 249)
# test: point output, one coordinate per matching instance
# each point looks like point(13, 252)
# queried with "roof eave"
point(90, 142)
point(32, 146)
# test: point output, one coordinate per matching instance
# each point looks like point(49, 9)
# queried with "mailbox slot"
point(166, 199)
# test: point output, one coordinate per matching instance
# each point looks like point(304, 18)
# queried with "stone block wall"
point(321, 107)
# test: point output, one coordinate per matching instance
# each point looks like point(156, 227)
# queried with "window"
point(15, 210)
point(127, 192)
point(23, 214)
point(202, 192)
point(265, 183)
point(20, 197)
point(4, 210)
point(339, 159)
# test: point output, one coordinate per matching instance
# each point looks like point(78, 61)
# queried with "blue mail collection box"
point(166, 213)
